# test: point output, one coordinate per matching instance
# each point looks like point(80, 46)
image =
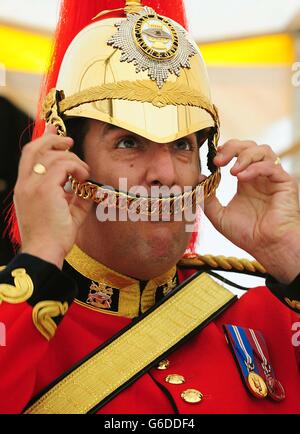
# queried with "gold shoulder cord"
point(22, 290)
point(222, 262)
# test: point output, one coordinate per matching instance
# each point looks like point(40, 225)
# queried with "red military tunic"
point(29, 362)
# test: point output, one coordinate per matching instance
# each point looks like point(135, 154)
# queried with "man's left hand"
point(263, 217)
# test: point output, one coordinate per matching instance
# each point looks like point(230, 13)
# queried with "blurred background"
point(251, 47)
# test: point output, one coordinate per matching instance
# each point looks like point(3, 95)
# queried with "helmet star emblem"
point(154, 44)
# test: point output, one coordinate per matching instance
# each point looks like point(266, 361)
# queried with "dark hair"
point(77, 128)
point(207, 134)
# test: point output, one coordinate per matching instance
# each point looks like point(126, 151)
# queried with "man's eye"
point(127, 143)
point(184, 145)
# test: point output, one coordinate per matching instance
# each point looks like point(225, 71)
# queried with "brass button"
point(164, 364)
point(175, 379)
point(192, 396)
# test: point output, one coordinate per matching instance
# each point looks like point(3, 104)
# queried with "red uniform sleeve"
point(27, 286)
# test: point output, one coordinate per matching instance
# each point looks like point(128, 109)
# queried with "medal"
point(255, 382)
point(257, 385)
point(253, 359)
point(275, 389)
point(244, 357)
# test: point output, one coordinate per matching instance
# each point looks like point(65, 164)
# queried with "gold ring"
point(39, 169)
point(277, 161)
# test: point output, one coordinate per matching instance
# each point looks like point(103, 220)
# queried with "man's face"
point(113, 153)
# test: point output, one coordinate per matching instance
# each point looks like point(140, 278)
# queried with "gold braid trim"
point(50, 111)
point(42, 315)
point(2, 268)
point(294, 304)
point(22, 290)
point(143, 91)
point(222, 262)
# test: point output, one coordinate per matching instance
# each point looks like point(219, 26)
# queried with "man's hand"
point(263, 217)
point(48, 217)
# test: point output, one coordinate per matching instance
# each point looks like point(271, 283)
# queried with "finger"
point(50, 129)
point(34, 151)
point(231, 149)
point(46, 142)
point(213, 210)
point(58, 175)
point(52, 157)
point(264, 168)
point(252, 155)
point(79, 208)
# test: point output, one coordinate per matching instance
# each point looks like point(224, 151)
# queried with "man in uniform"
point(105, 316)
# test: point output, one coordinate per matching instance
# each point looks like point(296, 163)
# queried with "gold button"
point(164, 364)
point(175, 379)
point(192, 396)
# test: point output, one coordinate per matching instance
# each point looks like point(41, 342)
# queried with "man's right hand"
point(48, 217)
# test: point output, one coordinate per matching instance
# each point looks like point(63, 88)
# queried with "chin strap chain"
point(223, 263)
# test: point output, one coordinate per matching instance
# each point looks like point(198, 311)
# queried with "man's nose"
point(161, 167)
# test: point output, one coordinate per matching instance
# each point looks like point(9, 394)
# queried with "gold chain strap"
point(145, 206)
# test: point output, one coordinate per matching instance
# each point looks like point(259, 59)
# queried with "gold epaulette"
point(2, 267)
point(222, 263)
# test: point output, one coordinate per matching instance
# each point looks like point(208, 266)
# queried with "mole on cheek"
point(131, 166)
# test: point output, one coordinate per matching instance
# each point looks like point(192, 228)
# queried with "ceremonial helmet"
point(135, 66)
point(141, 72)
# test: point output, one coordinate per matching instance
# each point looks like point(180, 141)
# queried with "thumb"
point(214, 211)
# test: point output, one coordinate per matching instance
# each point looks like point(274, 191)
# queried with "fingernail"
point(68, 187)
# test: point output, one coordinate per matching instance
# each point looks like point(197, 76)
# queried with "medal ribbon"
point(276, 390)
point(243, 349)
point(260, 349)
point(252, 356)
